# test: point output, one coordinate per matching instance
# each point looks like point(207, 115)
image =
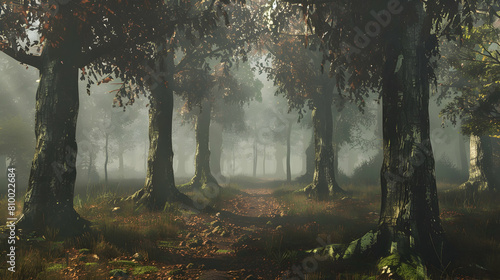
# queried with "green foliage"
point(475, 76)
point(139, 270)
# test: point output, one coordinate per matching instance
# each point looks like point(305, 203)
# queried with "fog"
point(127, 129)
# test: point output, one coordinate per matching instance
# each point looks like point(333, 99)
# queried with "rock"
point(138, 257)
point(216, 224)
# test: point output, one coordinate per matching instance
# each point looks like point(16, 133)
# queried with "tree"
point(294, 74)
point(75, 34)
point(473, 78)
point(402, 42)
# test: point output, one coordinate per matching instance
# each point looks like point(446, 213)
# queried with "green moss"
point(222, 251)
point(55, 267)
point(409, 267)
point(144, 270)
point(122, 263)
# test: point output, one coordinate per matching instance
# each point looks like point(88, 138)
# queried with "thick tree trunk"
point(409, 218)
point(481, 170)
point(216, 131)
point(106, 159)
point(49, 199)
point(324, 184)
point(288, 152)
point(160, 187)
point(203, 175)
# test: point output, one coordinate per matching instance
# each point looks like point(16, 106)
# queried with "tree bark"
point(481, 170)
point(288, 152)
point(49, 199)
point(324, 184)
point(160, 186)
point(203, 175)
point(409, 219)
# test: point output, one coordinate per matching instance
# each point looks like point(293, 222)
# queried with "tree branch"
point(24, 58)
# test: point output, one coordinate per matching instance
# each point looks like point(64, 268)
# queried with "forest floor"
point(260, 230)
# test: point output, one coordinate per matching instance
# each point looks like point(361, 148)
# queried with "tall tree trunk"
point(203, 175)
point(216, 131)
point(160, 187)
point(409, 219)
point(106, 159)
point(255, 157)
point(288, 152)
point(481, 170)
point(324, 184)
point(49, 199)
